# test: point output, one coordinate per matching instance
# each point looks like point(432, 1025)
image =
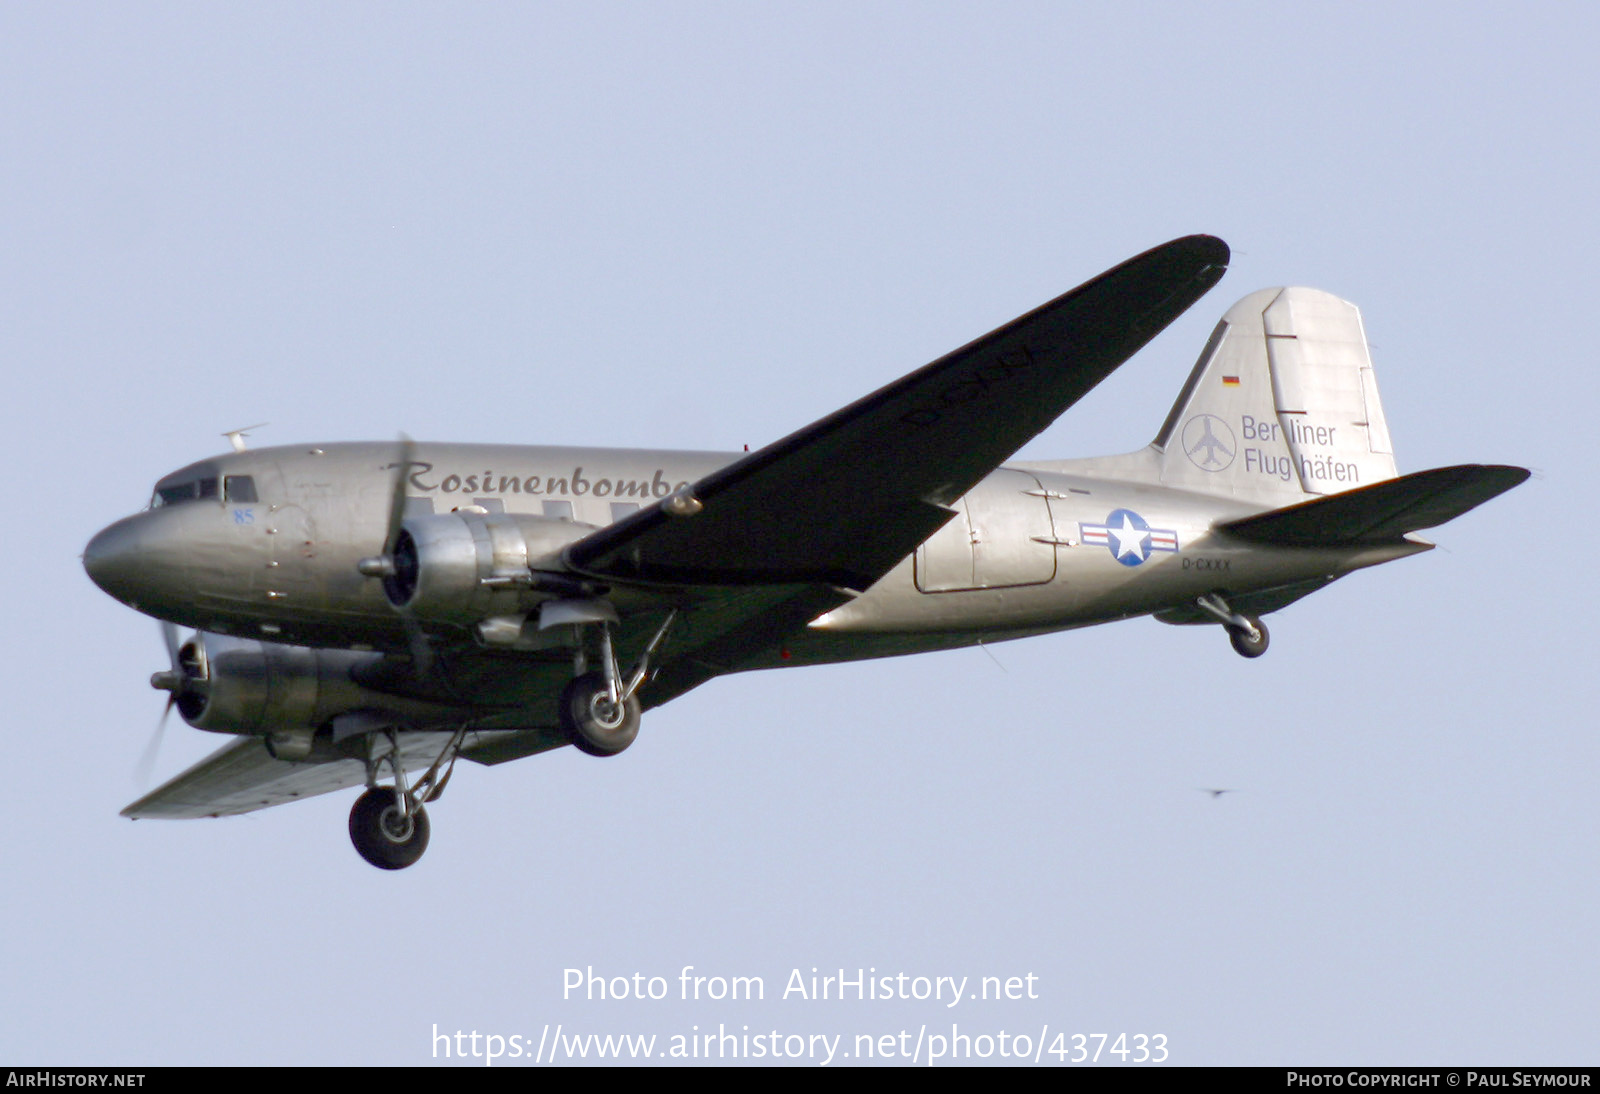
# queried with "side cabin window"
point(240, 488)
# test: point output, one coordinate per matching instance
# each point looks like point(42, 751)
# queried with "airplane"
point(365, 611)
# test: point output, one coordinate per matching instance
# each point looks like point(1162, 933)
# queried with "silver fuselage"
point(1033, 548)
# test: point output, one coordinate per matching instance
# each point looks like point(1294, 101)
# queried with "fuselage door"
point(944, 561)
point(1001, 537)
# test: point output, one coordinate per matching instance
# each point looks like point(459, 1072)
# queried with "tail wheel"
point(1247, 645)
point(592, 722)
point(383, 833)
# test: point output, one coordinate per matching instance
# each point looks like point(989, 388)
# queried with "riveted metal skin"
point(364, 609)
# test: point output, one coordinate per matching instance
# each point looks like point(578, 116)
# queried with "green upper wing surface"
point(844, 499)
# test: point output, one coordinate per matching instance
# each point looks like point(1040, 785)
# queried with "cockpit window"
point(185, 491)
point(172, 495)
point(239, 488)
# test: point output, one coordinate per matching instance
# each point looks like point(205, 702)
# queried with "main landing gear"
point(388, 824)
point(599, 710)
point(1247, 633)
point(384, 833)
point(595, 719)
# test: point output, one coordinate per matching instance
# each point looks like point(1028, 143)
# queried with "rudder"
point(1282, 404)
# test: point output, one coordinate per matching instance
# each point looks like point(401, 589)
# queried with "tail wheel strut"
point(1247, 634)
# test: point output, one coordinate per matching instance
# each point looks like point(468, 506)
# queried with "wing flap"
point(241, 777)
point(746, 622)
point(844, 499)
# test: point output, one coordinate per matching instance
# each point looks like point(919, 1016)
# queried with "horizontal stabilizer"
point(1382, 512)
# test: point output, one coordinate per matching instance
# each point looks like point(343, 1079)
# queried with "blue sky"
point(700, 226)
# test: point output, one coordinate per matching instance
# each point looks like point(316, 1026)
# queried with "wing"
point(241, 776)
point(841, 501)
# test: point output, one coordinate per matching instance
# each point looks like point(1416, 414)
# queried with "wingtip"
point(1204, 251)
point(1205, 255)
point(1216, 252)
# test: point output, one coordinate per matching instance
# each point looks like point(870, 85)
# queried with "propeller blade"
point(397, 494)
point(382, 565)
point(172, 681)
point(169, 635)
point(423, 659)
point(147, 762)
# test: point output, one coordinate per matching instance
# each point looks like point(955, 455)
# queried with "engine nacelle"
point(239, 685)
point(465, 567)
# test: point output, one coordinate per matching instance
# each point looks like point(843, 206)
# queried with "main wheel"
point(592, 722)
point(382, 834)
point(1244, 645)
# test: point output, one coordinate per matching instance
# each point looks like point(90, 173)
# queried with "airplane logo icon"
point(1204, 446)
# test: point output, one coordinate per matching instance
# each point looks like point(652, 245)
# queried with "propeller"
point(184, 681)
point(383, 564)
point(389, 564)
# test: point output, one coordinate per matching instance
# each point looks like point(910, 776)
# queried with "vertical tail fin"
point(1281, 406)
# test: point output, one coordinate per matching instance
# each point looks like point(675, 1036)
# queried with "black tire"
point(1244, 645)
point(381, 835)
point(591, 723)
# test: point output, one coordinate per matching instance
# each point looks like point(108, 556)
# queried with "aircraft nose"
point(131, 562)
point(111, 558)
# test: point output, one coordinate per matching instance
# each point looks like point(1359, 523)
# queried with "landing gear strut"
point(388, 824)
point(599, 710)
point(1247, 633)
